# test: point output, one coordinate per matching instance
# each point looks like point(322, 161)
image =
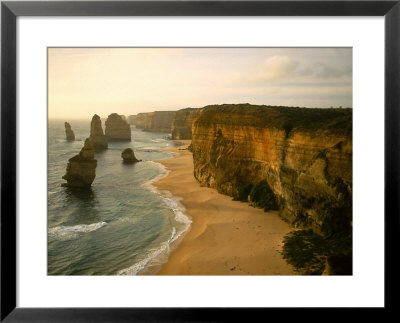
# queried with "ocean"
point(123, 225)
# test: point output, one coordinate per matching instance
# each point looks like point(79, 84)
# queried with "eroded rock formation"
point(97, 137)
point(129, 156)
point(304, 155)
point(70, 136)
point(182, 123)
point(81, 169)
point(117, 129)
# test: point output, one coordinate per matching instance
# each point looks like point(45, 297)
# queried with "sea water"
point(121, 226)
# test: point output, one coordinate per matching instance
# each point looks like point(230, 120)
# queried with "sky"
point(87, 81)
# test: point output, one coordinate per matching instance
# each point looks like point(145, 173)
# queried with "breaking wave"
point(72, 232)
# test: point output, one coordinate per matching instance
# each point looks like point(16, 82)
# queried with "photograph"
point(199, 161)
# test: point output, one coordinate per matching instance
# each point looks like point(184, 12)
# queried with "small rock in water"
point(129, 156)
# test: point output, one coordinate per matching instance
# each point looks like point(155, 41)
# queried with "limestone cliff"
point(97, 137)
point(159, 121)
point(81, 169)
point(117, 129)
point(140, 120)
point(131, 119)
point(70, 136)
point(303, 155)
point(182, 123)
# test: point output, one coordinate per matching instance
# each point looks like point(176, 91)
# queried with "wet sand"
point(226, 237)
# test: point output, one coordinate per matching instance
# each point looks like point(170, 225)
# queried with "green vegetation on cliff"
point(312, 254)
point(335, 120)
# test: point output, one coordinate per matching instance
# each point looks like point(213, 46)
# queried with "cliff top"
point(336, 120)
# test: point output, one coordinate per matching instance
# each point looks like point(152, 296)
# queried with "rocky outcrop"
point(131, 119)
point(182, 123)
point(303, 156)
point(81, 169)
point(97, 137)
point(129, 156)
point(70, 136)
point(117, 129)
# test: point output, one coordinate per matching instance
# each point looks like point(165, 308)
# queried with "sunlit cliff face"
point(308, 165)
point(87, 81)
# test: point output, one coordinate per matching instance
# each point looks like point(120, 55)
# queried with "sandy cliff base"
point(226, 237)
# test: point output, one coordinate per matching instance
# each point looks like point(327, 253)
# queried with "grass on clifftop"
point(336, 120)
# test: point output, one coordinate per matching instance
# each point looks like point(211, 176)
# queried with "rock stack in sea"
point(81, 169)
point(117, 129)
point(97, 137)
point(129, 156)
point(68, 132)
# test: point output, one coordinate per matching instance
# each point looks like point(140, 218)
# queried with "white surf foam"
point(164, 173)
point(154, 256)
point(150, 256)
point(172, 201)
point(72, 232)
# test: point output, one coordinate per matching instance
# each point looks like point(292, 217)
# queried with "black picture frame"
point(10, 10)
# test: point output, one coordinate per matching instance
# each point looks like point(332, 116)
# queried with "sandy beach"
point(226, 237)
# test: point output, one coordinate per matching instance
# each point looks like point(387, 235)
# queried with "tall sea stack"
point(117, 129)
point(68, 132)
point(81, 169)
point(97, 137)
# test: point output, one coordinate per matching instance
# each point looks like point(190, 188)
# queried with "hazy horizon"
point(87, 81)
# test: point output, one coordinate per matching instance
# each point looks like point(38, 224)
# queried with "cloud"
point(276, 68)
point(322, 70)
point(132, 80)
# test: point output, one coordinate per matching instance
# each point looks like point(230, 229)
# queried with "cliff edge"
point(297, 160)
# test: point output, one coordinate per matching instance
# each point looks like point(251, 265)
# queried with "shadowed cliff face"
point(305, 155)
point(182, 123)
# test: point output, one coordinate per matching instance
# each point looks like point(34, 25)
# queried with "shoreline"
point(225, 237)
